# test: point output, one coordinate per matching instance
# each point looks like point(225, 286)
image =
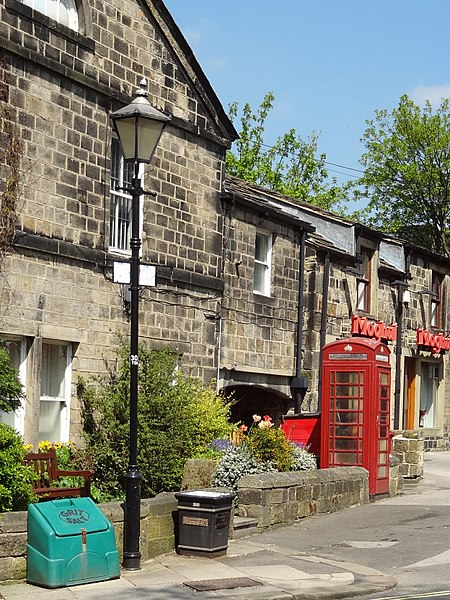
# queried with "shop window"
point(364, 281)
point(435, 301)
point(61, 11)
point(429, 393)
point(263, 258)
point(120, 203)
point(55, 392)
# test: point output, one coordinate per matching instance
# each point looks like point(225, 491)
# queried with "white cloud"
point(433, 93)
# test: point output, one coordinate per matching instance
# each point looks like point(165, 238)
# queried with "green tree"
point(11, 390)
point(407, 173)
point(178, 418)
point(291, 166)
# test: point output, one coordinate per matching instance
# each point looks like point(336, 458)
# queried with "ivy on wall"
point(11, 150)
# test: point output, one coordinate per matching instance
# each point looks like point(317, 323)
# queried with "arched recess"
point(248, 400)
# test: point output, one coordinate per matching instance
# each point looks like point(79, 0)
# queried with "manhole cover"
point(207, 585)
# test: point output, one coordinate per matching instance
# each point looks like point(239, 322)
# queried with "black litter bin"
point(203, 522)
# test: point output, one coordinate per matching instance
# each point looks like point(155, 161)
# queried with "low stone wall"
point(272, 498)
point(281, 498)
point(157, 533)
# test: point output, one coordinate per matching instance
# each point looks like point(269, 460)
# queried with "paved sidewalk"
point(270, 572)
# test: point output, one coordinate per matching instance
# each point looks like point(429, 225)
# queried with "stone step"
point(243, 526)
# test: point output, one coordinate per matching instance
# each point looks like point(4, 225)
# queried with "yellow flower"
point(28, 447)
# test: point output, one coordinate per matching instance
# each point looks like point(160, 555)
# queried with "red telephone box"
point(356, 388)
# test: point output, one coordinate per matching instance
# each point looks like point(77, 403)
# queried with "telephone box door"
point(355, 408)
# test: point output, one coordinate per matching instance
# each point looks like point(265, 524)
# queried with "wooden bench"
point(47, 477)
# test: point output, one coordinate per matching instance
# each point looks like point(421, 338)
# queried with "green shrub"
point(15, 478)
point(270, 444)
point(178, 419)
point(11, 390)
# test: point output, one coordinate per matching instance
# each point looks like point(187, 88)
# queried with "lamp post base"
point(132, 520)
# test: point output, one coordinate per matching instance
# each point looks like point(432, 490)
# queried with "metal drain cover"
point(208, 585)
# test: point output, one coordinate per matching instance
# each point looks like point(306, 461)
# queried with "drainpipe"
point(299, 384)
point(401, 286)
point(323, 325)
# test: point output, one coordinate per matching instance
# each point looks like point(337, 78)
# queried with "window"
point(120, 206)
point(435, 302)
point(17, 351)
point(263, 256)
point(363, 282)
point(55, 392)
point(62, 11)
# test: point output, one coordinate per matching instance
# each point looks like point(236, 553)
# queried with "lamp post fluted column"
point(131, 535)
point(139, 127)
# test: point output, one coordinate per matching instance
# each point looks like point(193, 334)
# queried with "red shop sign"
point(373, 329)
point(435, 341)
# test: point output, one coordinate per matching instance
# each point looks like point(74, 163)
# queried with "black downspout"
point(398, 350)
point(299, 384)
point(323, 325)
point(398, 356)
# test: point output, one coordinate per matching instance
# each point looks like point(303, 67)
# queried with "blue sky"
point(330, 63)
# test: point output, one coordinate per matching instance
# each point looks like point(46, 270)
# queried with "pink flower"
point(267, 418)
point(256, 418)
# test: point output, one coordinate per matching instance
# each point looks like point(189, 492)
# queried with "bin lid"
point(69, 516)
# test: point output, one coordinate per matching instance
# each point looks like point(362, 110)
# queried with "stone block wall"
point(157, 533)
point(408, 447)
point(281, 498)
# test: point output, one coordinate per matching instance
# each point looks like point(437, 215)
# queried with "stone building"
point(249, 286)
point(64, 223)
point(287, 263)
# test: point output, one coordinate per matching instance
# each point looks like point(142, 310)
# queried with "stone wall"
point(157, 533)
point(272, 498)
point(281, 498)
point(408, 447)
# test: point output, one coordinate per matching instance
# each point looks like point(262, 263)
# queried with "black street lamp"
point(139, 127)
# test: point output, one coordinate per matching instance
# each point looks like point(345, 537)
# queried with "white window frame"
point(18, 418)
point(119, 240)
point(65, 399)
point(52, 10)
point(264, 264)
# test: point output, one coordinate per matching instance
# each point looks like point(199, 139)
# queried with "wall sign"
point(373, 329)
point(436, 342)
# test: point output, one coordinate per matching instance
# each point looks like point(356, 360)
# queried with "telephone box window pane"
point(384, 380)
point(382, 472)
point(346, 430)
point(382, 445)
point(383, 431)
point(346, 458)
point(382, 458)
point(347, 390)
point(347, 444)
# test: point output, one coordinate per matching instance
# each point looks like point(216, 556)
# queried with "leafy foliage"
point(407, 173)
point(11, 390)
point(15, 478)
point(178, 418)
point(265, 448)
point(291, 166)
point(269, 444)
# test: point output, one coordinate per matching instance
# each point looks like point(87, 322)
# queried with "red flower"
point(267, 418)
point(243, 427)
